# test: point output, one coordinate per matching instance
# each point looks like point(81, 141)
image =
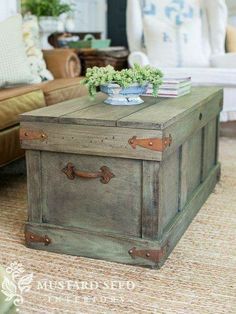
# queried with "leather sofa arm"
point(231, 39)
point(63, 63)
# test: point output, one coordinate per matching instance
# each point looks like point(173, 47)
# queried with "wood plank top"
point(154, 113)
point(168, 111)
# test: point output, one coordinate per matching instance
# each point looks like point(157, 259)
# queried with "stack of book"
point(173, 87)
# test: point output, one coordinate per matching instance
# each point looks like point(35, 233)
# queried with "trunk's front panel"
point(87, 202)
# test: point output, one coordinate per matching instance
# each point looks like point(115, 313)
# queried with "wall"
point(8, 8)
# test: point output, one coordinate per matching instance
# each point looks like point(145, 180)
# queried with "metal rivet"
point(47, 240)
point(26, 134)
point(150, 143)
point(43, 135)
point(148, 254)
point(130, 251)
point(31, 237)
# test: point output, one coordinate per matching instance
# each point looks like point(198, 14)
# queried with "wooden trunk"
point(120, 183)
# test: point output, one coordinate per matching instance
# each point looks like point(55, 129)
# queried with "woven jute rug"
point(198, 277)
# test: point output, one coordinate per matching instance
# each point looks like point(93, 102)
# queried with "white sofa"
point(220, 68)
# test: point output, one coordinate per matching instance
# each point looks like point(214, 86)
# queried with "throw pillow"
point(14, 66)
point(173, 33)
point(33, 51)
point(217, 14)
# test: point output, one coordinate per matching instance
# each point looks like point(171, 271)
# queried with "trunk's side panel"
point(180, 223)
point(190, 167)
point(183, 176)
point(169, 189)
point(183, 129)
point(194, 163)
point(210, 147)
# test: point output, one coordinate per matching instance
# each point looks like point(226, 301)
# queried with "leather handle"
point(104, 174)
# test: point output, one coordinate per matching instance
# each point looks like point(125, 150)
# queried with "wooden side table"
point(118, 58)
point(53, 38)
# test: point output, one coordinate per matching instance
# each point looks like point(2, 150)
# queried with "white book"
point(170, 93)
point(175, 86)
point(174, 83)
point(172, 87)
point(174, 95)
point(174, 91)
point(176, 80)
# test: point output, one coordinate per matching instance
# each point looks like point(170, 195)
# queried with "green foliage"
point(97, 76)
point(45, 7)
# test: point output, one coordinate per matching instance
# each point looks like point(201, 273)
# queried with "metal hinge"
point(153, 255)
point(28, 134)
point(31, 237)
point(157, 144)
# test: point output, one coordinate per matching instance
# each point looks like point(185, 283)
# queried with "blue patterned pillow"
point(173, 33)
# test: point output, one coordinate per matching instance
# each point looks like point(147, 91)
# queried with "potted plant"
point(123, 87)
point(47, 12)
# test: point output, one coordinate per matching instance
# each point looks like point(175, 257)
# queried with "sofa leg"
point(17, 167)
point(228, 129)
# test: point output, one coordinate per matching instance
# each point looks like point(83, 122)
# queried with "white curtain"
point(8, 8)
point(231, 5)
point(90, 15)
point(232, 11)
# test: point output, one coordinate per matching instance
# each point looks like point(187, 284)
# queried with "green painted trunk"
point(136, 209)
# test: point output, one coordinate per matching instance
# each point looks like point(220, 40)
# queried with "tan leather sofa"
point(65, 66)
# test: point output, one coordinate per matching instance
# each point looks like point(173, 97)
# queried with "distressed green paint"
point(154, 195)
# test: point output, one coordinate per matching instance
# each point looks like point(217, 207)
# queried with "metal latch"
point(31, 237)
point(153, 255)
point(28, 134)
point(157, 144)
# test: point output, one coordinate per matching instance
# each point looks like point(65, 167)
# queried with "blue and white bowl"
point(119, 96)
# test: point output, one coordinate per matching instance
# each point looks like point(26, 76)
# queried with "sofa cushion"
point(10, 92)
point(224, 61)
point(60, 90)
point(15, 101)
point(10, 145)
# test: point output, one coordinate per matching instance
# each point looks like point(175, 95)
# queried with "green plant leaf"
point(97, 76)
point(45, 7)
